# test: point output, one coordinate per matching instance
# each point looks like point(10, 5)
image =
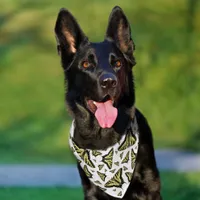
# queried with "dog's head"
point(98, 75)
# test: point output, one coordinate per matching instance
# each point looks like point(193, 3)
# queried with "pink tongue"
point(106, 114)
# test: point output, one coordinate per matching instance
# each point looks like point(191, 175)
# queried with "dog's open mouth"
point(104, 111)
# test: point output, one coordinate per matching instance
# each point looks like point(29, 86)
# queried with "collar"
point(110, 169)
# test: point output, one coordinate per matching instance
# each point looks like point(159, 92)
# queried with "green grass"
point(174, 186)
point(34, 124)
point(41, 193)
point(180, 186)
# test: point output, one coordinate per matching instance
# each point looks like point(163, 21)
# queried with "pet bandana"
point(111, 169)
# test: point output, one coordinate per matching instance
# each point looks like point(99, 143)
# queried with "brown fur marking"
point(122, 43)
point(70, 40)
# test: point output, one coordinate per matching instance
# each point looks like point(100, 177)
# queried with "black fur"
point(84, 84)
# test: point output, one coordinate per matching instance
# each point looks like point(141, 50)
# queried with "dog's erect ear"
point(119, 31)
point(68, 34)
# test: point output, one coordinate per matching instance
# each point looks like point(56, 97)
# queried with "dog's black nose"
point(108, 81)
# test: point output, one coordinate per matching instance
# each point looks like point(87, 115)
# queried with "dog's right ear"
point(119, 31)
point(69, 36)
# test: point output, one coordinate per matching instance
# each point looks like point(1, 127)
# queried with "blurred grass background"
point(183, 187)
point(34, 124)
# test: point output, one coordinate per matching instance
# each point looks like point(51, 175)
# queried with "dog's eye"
point(85, 64)
point(118, 63)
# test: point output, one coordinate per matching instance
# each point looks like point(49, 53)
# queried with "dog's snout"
point(108, 81)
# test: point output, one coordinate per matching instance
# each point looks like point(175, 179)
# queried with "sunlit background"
point(34, 123)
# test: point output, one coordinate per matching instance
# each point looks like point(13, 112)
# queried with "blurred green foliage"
point(34, 124)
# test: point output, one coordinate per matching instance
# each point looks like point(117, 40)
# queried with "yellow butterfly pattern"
point(101, 175)
point(80, 151)
point(116, 181)
point(96, 153)
point(121, 155)
point(88, 174)
point(119, 194)
point(98, 182)
point(129, 175)
point(87, 160)
point(108, 159)
point(113, 171)
point(126, 158)
point(132, 159)
point(129, 141)
point(100, 167)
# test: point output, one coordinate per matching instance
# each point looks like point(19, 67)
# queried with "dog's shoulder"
point(144, 128)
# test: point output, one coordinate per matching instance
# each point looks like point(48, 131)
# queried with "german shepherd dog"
point(110, 138)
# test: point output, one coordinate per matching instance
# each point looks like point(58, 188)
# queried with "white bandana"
point(111, 169)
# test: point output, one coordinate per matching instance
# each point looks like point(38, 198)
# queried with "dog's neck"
point(88, 133)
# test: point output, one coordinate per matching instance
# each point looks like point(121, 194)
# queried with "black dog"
point(110, 138)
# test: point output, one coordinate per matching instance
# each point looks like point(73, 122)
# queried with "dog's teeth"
point(94, 102)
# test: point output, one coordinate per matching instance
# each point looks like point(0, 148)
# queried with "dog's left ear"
point(69, 36)
point(119, 31)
